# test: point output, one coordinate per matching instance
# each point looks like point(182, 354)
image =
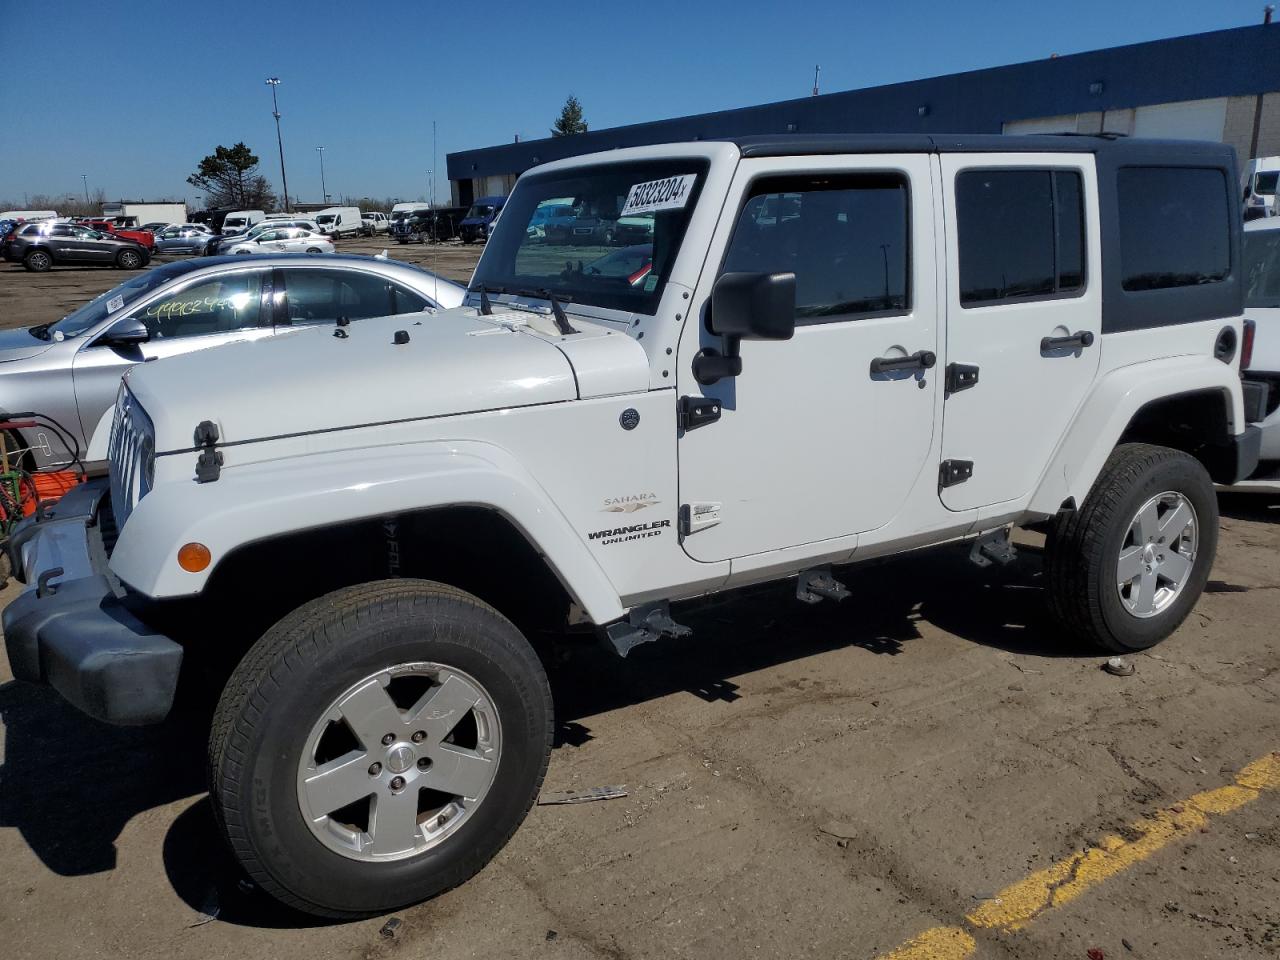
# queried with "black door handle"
point(920, 360)
point(1079, 340)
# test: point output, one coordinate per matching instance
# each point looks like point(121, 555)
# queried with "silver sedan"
point(70, 370)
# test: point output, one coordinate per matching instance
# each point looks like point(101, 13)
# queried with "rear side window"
point(1175, 227)
point(1021, 235)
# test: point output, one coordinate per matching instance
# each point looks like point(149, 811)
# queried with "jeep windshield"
point(570, 256)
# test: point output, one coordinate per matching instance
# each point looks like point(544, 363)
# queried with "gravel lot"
point(802, 782)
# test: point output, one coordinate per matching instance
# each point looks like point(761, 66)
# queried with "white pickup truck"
point(824, 349)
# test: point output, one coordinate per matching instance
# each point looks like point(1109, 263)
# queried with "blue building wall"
point(1243, 61)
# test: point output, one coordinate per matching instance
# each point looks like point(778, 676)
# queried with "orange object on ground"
point(51, 487)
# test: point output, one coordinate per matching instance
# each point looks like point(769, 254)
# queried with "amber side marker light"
point(194, 557)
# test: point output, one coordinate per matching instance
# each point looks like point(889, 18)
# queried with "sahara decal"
point(630, 503)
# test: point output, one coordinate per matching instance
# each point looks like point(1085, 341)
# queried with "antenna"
point(817, 70)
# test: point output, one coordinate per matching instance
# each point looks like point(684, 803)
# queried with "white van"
point(239, 221)
point(28, 215)
point(1260, 187)
point(340, 221)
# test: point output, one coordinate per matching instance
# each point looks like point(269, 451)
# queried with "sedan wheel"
point(128, 260)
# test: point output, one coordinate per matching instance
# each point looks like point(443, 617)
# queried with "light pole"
point(431, 188)
point(85, 178)
point(324, 194)
point(274, 82)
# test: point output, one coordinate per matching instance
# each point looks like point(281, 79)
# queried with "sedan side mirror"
point(750, 306)
point(128, 332)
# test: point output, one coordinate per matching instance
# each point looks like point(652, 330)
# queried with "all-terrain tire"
point(1082, 551)
point(286, 683)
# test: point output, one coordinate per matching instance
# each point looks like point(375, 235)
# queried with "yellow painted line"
point(940, 943)
point(1020, 903)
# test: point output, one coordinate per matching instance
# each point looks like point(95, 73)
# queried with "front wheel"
point(1127, 567)
point(378, 746)
point(314, 250)
point(128, 260)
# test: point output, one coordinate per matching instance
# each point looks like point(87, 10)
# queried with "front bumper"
point(71, 628)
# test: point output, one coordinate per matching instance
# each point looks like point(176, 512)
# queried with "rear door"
point(1023, 316)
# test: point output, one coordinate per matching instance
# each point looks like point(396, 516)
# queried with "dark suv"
point(38, 246)
point(423, 225)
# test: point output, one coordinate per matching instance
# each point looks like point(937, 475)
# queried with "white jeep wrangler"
point(799, 353)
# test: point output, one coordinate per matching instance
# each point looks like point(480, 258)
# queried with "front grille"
point(132, 455)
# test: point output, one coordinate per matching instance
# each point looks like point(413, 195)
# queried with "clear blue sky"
point(134, 93)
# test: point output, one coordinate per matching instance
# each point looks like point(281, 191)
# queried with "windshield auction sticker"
point(669, 194)
point(115, 303)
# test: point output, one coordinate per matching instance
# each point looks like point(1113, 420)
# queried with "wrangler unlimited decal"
point(635, 532)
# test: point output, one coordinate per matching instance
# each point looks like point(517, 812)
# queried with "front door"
point(205, 313)
point(812, 442)
point(1023, 308)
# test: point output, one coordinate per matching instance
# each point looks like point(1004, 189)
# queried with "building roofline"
point(1232, 62)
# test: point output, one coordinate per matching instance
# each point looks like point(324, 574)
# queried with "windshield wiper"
point(486, 308)
point(557, 311)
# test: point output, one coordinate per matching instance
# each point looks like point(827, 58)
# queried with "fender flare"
point(259, 501)
point(1115, 399)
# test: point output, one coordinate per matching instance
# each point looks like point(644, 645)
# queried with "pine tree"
point(570, 120)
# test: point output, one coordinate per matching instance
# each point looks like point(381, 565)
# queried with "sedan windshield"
point(1262, 268)
point(585, 226)
point(114, 301)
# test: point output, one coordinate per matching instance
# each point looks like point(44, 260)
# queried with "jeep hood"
point(310, 381)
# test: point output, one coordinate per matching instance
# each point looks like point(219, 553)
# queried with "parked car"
point(1262, 177)
point(375, 222)
point(42, 245)
point(144, 237)
point(71, 369)
point(282, 240)
point(1261, 360)
point(475, 226)
point(999, 330)
point(434, 225)
point(155, 226)
point(592, 224)
point(221, 243)
point(184, 238)
point(339, 221)
point(632, 264)
point(546, 213)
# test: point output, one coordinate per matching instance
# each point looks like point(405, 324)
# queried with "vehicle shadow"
point(70, 784)
point(1262, 507)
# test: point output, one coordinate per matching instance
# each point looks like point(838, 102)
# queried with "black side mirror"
point(128, 332)
point(750, 306)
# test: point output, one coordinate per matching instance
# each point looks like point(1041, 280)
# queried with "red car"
point(144, 237)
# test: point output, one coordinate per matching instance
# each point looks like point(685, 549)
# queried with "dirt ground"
point(823, 782)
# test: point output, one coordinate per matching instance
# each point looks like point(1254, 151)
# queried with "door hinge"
point(961, 376)
point(694, 412)
point(698, 516)
point(951, 472)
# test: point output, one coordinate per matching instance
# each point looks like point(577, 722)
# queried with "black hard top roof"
point(784, 145)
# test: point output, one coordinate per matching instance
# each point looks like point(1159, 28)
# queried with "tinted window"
point(219, 305)
point(325, 295)
point(1175, 227)
point(1020, 234)
point(406, 301)
point(1262, 268)
point(845, 239)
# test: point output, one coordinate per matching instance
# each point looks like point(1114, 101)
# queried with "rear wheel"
point(1127, 567)
point(314, 250)
point(378, 746)
point(38, 261)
